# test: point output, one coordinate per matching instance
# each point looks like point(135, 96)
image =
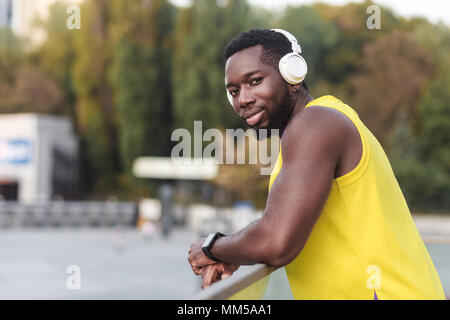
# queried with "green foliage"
point(56, 55)
point(141, 78)
point(11, 55)
point(24, 87)
point(95, 117)
point(425, 173)
point(202, 32)
point(391, 75)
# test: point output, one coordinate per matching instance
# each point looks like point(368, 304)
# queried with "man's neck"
point(302, 100)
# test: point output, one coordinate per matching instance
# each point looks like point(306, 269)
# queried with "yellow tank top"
point(365, 244)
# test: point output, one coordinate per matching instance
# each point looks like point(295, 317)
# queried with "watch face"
point(208, 240)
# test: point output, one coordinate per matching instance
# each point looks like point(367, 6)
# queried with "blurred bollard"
point(112, 211)
point(5, 215)
point(56, 212)
point(149, 212)
point(84, 213)
point(39, 214)
point(94, 214)
point(20, 215)
point(179, 214)
point(127, 214)
point(166, 195)
point(74, 214)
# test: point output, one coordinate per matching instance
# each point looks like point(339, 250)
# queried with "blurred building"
point(22, 17)
point(38, 157)
point(5, 13)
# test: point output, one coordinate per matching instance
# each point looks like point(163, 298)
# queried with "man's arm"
point(312, 145)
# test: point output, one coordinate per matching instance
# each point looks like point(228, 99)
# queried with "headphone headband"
point(295, 46)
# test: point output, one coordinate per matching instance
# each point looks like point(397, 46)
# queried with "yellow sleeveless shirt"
point(365, 244)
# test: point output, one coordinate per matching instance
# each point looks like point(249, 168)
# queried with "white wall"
point(42, 133)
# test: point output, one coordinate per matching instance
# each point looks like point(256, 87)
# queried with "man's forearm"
point(253, 244)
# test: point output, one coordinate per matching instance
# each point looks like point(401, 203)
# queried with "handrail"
point(226, 288)
point(436, 239)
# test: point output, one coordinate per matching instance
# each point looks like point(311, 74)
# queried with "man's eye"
point(256, 80)
point(234, 92)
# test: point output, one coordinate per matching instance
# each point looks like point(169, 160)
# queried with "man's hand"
point(197, 258)
point(215, 272)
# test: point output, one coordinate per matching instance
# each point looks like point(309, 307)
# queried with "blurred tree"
point(56, 56)
point(202, 32)
point(433, 135)
point(30, 91)
point(424, 181)
point(141, 77)
point(243, 182)
point(341, 61)
point(420, 149)
point(95, 111)
point(246, 181)
point(11, 55)
point(23, 87)
point(316, 37)
point(391, 75)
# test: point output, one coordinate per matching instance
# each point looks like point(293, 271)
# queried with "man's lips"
point(253, 118)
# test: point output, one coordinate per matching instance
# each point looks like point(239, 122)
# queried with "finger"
point(208, 276)
point(226, 274)
point(214, 275)
point(194, 268)
point(197, 270)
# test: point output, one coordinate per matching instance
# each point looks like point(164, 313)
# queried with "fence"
point(241, 283)
point(67, 214)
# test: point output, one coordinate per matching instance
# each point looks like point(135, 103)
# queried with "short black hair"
point(275, 46)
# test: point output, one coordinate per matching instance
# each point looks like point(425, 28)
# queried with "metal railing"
point(230, 287)
point(67, 214)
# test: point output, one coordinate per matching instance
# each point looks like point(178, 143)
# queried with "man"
point(335, 215)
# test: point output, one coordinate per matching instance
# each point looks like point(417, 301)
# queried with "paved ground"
point(113, 265)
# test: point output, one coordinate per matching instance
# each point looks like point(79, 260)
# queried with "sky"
point(433, 10)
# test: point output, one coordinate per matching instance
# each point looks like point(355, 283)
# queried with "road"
point(113, 264)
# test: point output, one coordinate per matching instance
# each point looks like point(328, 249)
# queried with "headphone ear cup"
point(293, 68)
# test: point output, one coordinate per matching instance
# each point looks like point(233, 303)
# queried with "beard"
point(282, 111)
point(279, 115)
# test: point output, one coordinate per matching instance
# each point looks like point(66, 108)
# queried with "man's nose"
point(246, 99)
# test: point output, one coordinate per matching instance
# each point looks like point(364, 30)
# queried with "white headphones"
point(292, 66)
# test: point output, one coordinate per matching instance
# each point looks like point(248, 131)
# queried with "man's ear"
point(294, 88)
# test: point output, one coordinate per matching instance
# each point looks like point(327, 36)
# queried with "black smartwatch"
point(208, 244)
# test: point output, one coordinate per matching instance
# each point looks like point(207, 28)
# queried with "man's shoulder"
point(317, 119)
point(318, 127)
